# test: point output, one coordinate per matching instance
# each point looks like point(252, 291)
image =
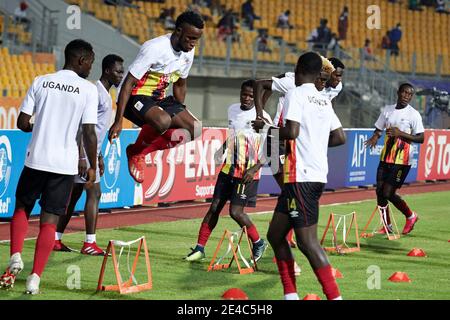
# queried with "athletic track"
point(192, 210)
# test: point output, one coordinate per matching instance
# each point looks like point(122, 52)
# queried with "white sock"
point(90, 238)
point(58, 235)
point(338, 298)
point(291, 296)
point(412, 216)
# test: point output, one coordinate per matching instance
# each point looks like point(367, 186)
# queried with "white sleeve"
point(282, 85)
point(293, 106)
point(417, 125)
point(381, 122)
point(188, 66)
point(267, 116)
point(335, 122)
point(90, 110)
point(29, 103)
point(144, 60)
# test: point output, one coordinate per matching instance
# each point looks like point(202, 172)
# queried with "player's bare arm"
point(90, 143)
point(23, 122)
point(372, 141)
point(180, 89)
point(260, 89)
point(101, 165)
point(394, 132)
point(337, 138)
point(250, 173)
point(125, 93)
point(82, 164)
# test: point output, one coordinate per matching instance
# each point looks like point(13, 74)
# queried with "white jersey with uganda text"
point(60, 102)
point(306, 156)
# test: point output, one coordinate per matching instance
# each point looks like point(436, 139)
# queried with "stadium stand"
point(15, 31)
point(142, 24)
point(18, 71)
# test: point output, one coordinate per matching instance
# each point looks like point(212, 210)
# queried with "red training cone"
point(416, 252)
point(399, 277)
point(337, 274)
point(235, 294)
point(311, 296)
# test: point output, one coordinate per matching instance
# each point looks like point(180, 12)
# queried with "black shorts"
point(229, 188)
point(394, 174)
point(53, 189)
point(300, 201)
point(138, 106)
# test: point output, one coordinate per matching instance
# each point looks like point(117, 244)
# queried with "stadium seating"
point(15, 31)
point(425, 33)
point(17, 72)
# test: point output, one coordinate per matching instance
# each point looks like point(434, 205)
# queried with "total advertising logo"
point(5, 173)
point(436, 157)
point(112, 158)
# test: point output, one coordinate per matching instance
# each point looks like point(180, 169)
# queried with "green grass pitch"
point(176, 279)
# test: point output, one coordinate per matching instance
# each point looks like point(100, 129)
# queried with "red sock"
point(44, 246)
point(162, 143)
point(287, 274)
point(253, 233)
point(403, 207)
point(328, 282)
point(203, 234)
point(18, 230)
point(146, 136)
point(290, 236)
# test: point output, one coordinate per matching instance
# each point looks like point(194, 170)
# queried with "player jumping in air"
point(143, 96)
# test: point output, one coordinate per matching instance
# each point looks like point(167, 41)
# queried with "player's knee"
point(387, 194)
point(235, 213)
point(395, 198)
point(302, 247)
point(161, 123)
point(214, 208)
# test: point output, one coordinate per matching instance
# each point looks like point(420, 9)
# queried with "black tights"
point(386, 192)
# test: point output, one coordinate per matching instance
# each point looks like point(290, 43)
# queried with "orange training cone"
point(416, 253)
point(235, 294)
point(311, 296)
point(337, 274)
point(399, 277)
